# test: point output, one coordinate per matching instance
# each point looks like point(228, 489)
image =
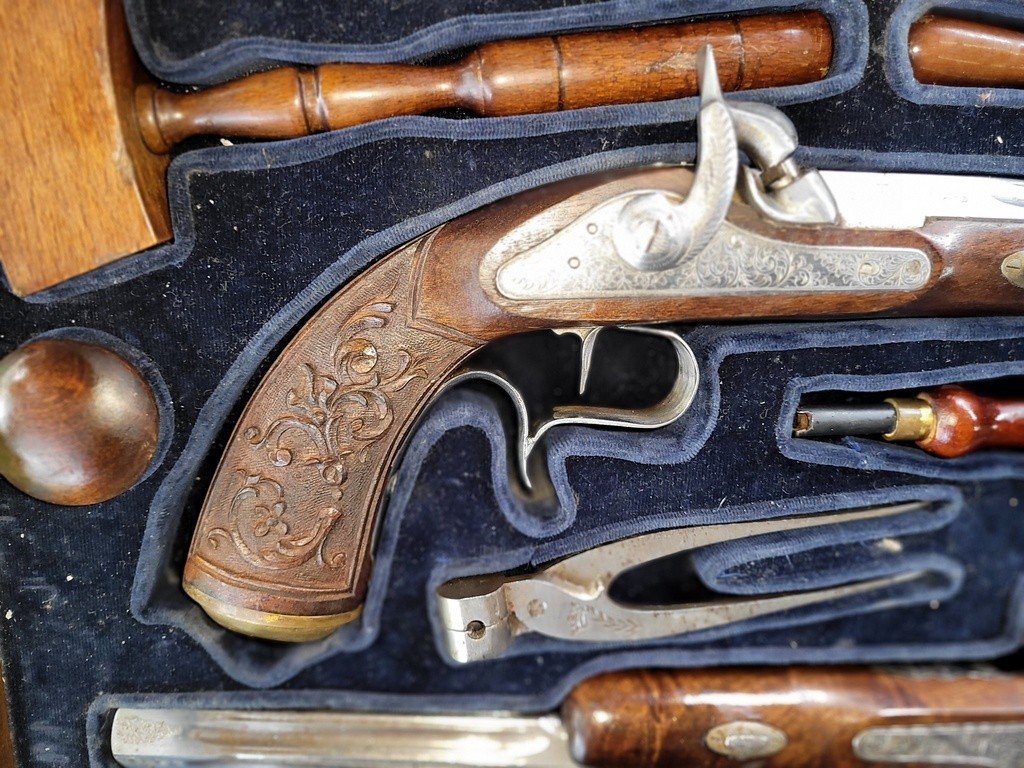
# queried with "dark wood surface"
point(511, 77)
point(319, 436)
point(959, 52)
point(78, 424)
point(6, 741)
point(966, 422)
point(659, 718)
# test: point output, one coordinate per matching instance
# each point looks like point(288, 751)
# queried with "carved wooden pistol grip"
point(283, 545)
point(282, 549)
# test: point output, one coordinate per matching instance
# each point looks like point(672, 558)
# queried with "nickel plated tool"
point(571, 598)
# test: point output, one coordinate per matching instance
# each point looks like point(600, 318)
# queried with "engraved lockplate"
point(580, 261)
point(985, 745)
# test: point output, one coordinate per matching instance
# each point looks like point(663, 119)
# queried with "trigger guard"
point(668, 410)
point(524, 445)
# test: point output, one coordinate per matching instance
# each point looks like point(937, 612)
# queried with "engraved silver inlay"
point(986, 745)
point(1013, 269)
point(735, 261)
point(744, 740)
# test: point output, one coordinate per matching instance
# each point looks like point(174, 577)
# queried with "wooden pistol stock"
point(655, 718)
point(283, 545)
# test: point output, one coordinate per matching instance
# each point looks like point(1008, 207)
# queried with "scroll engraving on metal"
point(333, 416)
point(653, 242)
point(735, 261)
point(981, 744)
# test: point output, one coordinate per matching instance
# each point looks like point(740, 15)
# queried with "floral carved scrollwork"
point(330, 420)
point(268, 522)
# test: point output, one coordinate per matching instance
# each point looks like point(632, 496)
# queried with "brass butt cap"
point(270, 626)
point(915, 419)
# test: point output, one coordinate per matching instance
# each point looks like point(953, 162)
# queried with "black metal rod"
point(839, 420)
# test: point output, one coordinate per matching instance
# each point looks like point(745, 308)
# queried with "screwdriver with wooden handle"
point(778, 717)
point(948, 421)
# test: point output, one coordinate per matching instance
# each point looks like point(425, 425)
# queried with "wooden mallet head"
point(78, 188)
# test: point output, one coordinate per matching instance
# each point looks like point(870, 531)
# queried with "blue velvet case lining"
point(265, 232)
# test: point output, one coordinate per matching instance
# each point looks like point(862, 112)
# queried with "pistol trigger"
point(588, 338)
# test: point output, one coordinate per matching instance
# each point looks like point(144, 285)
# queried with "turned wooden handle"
point(966, 422)
point(668, 718)
point(949, 51)
point(512, 77)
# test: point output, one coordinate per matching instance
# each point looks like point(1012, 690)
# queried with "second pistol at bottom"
point(656, 718)
point(948, 421)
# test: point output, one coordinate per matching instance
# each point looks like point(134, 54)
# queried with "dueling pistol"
point(771, 717)
point(283, 545)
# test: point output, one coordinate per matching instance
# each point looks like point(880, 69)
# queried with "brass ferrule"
point(915, 419)
point(270, 626)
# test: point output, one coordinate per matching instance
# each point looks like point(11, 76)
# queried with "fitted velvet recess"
point(91, 612)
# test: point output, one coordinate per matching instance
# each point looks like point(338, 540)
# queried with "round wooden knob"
point(78, 424)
